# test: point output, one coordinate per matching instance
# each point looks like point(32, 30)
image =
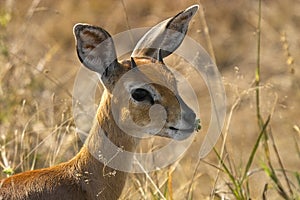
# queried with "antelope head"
point(141, 94)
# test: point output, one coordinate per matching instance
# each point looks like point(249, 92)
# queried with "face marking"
point(159, 85)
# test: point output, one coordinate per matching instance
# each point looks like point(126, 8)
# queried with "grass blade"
point(250, 160)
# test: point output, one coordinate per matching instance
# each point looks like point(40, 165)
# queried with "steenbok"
point(153, 83)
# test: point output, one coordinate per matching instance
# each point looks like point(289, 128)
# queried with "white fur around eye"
point(132, 85)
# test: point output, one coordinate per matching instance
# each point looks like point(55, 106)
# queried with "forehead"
point(157, 73)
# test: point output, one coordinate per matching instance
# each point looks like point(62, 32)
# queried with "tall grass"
point(36, 124)
point(239, 185)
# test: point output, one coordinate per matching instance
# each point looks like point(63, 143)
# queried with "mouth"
point(188, 130)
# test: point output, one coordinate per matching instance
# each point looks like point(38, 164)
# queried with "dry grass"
point(39, 65)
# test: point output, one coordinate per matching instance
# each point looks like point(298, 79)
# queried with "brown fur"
point(84, 176)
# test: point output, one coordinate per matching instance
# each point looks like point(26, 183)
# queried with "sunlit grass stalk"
point(271, 173)
point(257, 71)
point(235, 191)
point(170, 188)
point(206, 32)
point(268, 168)
point(238, 184)
point(250, 160)
point(278, 183)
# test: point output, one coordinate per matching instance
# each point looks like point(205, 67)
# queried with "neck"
point(104, 142)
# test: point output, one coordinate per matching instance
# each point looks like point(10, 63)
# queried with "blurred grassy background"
point(38, 65)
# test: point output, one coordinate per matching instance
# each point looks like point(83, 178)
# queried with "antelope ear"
point(95, 49)
point(165, 36)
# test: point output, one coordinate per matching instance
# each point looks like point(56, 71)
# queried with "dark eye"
point(142, 95)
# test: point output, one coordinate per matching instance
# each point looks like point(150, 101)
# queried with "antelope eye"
point(142, 95)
